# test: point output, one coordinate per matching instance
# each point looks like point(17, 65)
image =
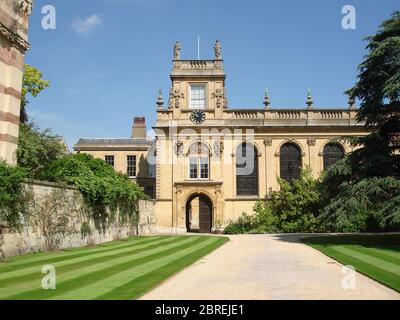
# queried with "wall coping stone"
point(49, 184)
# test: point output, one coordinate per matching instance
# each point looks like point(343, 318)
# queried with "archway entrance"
point(199, 214)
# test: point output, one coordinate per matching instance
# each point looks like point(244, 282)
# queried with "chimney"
point(139, 128)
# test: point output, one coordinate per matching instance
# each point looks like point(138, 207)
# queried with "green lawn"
point(376, 256)
point(116, 270)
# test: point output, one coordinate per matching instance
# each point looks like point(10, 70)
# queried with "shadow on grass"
point(379, 241)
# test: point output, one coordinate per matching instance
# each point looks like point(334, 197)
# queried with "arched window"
point(332, 152)
point(246, 170)
point(290, 161)
point(199, 161)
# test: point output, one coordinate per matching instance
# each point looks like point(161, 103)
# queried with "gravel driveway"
point(266, 267)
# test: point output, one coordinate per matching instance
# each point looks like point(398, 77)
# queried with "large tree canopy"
point(362, 191)
point(378, 86)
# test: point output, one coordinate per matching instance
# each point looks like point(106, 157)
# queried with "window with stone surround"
point(333, 152)
point(109, 160)
point(290, 161)
point(131, 166)
point(246, 170)
point(197, 96)
point(199, 159)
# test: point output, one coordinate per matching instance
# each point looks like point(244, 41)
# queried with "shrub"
point(265, 221)
point(294, 208)
point(296, 205)
point(244, 224)
point(11, 194)
point(262, 221)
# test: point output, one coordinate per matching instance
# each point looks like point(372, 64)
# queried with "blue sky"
point(107, 58)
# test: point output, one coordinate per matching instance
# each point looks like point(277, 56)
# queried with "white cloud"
point(86, 26)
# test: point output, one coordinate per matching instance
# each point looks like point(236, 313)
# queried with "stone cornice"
point(198, 183)
point(14, 39)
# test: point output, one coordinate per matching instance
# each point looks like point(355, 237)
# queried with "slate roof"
point(113, 141)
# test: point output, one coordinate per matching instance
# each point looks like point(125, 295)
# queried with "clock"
point(198, 116)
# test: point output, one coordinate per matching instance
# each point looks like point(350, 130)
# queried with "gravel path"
point(266, 267)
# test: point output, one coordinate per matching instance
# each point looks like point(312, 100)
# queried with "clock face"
point(198, 116)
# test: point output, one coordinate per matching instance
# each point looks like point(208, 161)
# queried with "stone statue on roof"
point(177, 51)
point(217, 50)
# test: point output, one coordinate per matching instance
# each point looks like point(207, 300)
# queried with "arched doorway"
point(199, 214)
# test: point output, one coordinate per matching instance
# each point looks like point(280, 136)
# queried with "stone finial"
point(177, 51)
point(309, 101)
point(352, 103)
point(217, 50)
point(160, 100)
point(266, 99)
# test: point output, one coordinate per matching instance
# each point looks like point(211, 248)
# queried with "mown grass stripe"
point(387, 278)
point(35, 256)
point(99, 275)
point(34, 269)
point(378, 263)
point(103, 287)
point(142, 284)
point(95, 259)
point(21, 287)
point(65, 255)
point(379, 253)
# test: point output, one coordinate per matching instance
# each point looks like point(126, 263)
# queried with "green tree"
point(32, 84)
point(362, 191)
point(378, 85)
point(38, 149)
point(296, 205)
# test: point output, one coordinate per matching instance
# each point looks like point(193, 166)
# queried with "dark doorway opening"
point(199, 214)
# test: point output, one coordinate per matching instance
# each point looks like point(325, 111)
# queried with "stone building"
point(126, 155)
point(14, 16)
point(214, 162)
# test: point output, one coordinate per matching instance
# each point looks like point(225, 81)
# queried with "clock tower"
point(197, 92)
point(188, 164)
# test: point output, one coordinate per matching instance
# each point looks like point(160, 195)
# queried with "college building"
point(209, 162)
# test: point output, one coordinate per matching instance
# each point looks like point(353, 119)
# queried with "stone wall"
point(58, 218)
point(147, 223)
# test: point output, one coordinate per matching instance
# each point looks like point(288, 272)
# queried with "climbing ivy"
point(105, 190)
point(12, 200)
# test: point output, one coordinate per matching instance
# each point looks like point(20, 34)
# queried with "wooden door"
point(205, 214)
